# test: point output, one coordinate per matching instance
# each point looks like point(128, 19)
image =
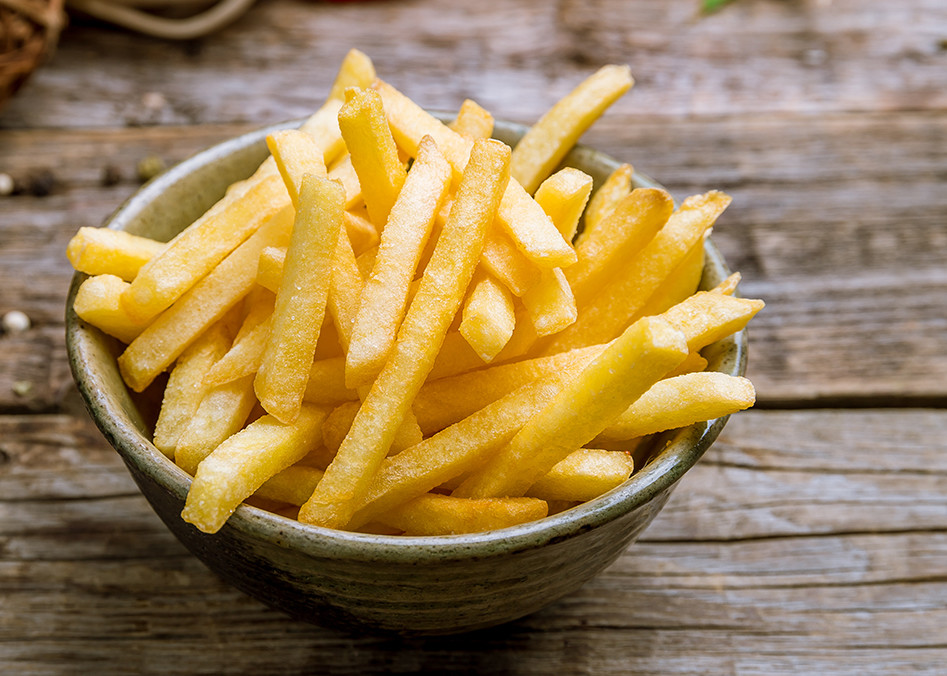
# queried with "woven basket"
point(29, 31)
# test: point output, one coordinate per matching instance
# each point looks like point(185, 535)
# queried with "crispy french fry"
point(680, 284)
point(694, 363)
point(243, 356)
point(619, 238)
point(338, 424)
point(357, 70)
point(458, 449)
point(605, 198)
point(372, 149)
point(362, 233)
point(550, 303)
point(473, 120)
point(681, 401)
point(520, 216)
point(587, 404)
point(439, 296)
point(102, 251)
point(456, 355)
point(563, 197)
point(488, 319)
point(199, 248)
point(323, 126)
point(384, 295)
point(504, 261)
point(583, 475)
point(301, 300)
point(240, 465)
point(223, 411)
point(270, 268)
point(547, 142)
point(729, 285)
point(187, 386)
point(99, 302)
point(206, 302)
point(327, 383)
point(706, 317)
point(293, 485)
point(344, 172)
point(296, 154)
point(433, 514)
point(443, 402)
point(619, 301)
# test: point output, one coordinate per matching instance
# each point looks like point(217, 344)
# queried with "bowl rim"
point(681, 449)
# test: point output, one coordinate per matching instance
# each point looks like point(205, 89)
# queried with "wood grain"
point(789, 583)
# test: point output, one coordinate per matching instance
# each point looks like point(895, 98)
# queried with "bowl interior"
point(174, 199)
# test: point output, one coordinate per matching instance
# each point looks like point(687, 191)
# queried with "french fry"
point(439, 296)
point(729, 285)
point(293, 485)
point(633, 223)
point(243, 356)
point(563, 197)
point(706, 317)
point(187, 386)
point(323, 126)
point(99, 302)
point(681, 401)
point(172, 331)
point(296, 154)
point(456, 355)
point(504, 261)
point(456, 450)
point(362, 233)
point(102, 251)
point(300, 307)
point(550, 303)
point(473, 121)
point(587, 404)
point(443, 402)
point(338, 423)
point(680, 284)
point(270, 268)
point(583, 475)
point(433, 514)
point(372, 149)
point(327, 383)
point(357, 70)
point(344, 172)
point(222, 413)
point(198, 249)
point(238, 467)
point(546, 143)
point(605, 198)
point(488, 320)
point(520, 216)
point(619, 301)
point(384, 295)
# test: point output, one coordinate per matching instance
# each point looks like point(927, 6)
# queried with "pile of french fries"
point(392, 326)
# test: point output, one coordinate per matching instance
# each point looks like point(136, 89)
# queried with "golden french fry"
point(456, 355)
point(362, 233)
point(327, 383)
point(357, 70)
point(344, 172)
point(488, 320)
point(619, 238)
point(583, 475)
point(680, 284)
point(457, 449)
point(523, 219)
point(706, 317)
point(301, 300)
point(443, 402)
point(550, 303)
point(621, 299)
point(243, 357)
point(200, 247)
point(384, 295)
point(102, 251)
point(563, 197)
point(587, 404)
point(240, 465)
point(433, 514)
point(442, 288)
point(473, 120)
point(504, 261)
point(372, 150)
point(223, 411)
point(187, 386)
point(545, 144)
point(605, 198)
point(99, 302)
point(293, 485)
point(694, 363)
point(729, 285)
point(270, 268)
point(681, 401)
point(323, 126)
point(172, 331)
point(296, 154)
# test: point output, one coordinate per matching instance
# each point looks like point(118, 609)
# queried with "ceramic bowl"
point(421, 585)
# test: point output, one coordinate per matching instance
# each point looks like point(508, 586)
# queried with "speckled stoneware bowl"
point(427, 585)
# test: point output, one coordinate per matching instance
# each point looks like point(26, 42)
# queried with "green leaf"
point(708, 6)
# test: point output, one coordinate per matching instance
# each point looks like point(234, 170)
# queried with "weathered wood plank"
point(706, 590)
point(513, 56)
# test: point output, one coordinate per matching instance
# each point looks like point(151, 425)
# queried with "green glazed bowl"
point(418, 585)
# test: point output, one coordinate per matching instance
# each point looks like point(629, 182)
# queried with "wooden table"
point(812, 538)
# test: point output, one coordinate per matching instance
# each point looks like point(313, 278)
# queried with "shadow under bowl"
point(417, 585)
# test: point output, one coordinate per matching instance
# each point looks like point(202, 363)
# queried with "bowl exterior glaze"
point(422, 585)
